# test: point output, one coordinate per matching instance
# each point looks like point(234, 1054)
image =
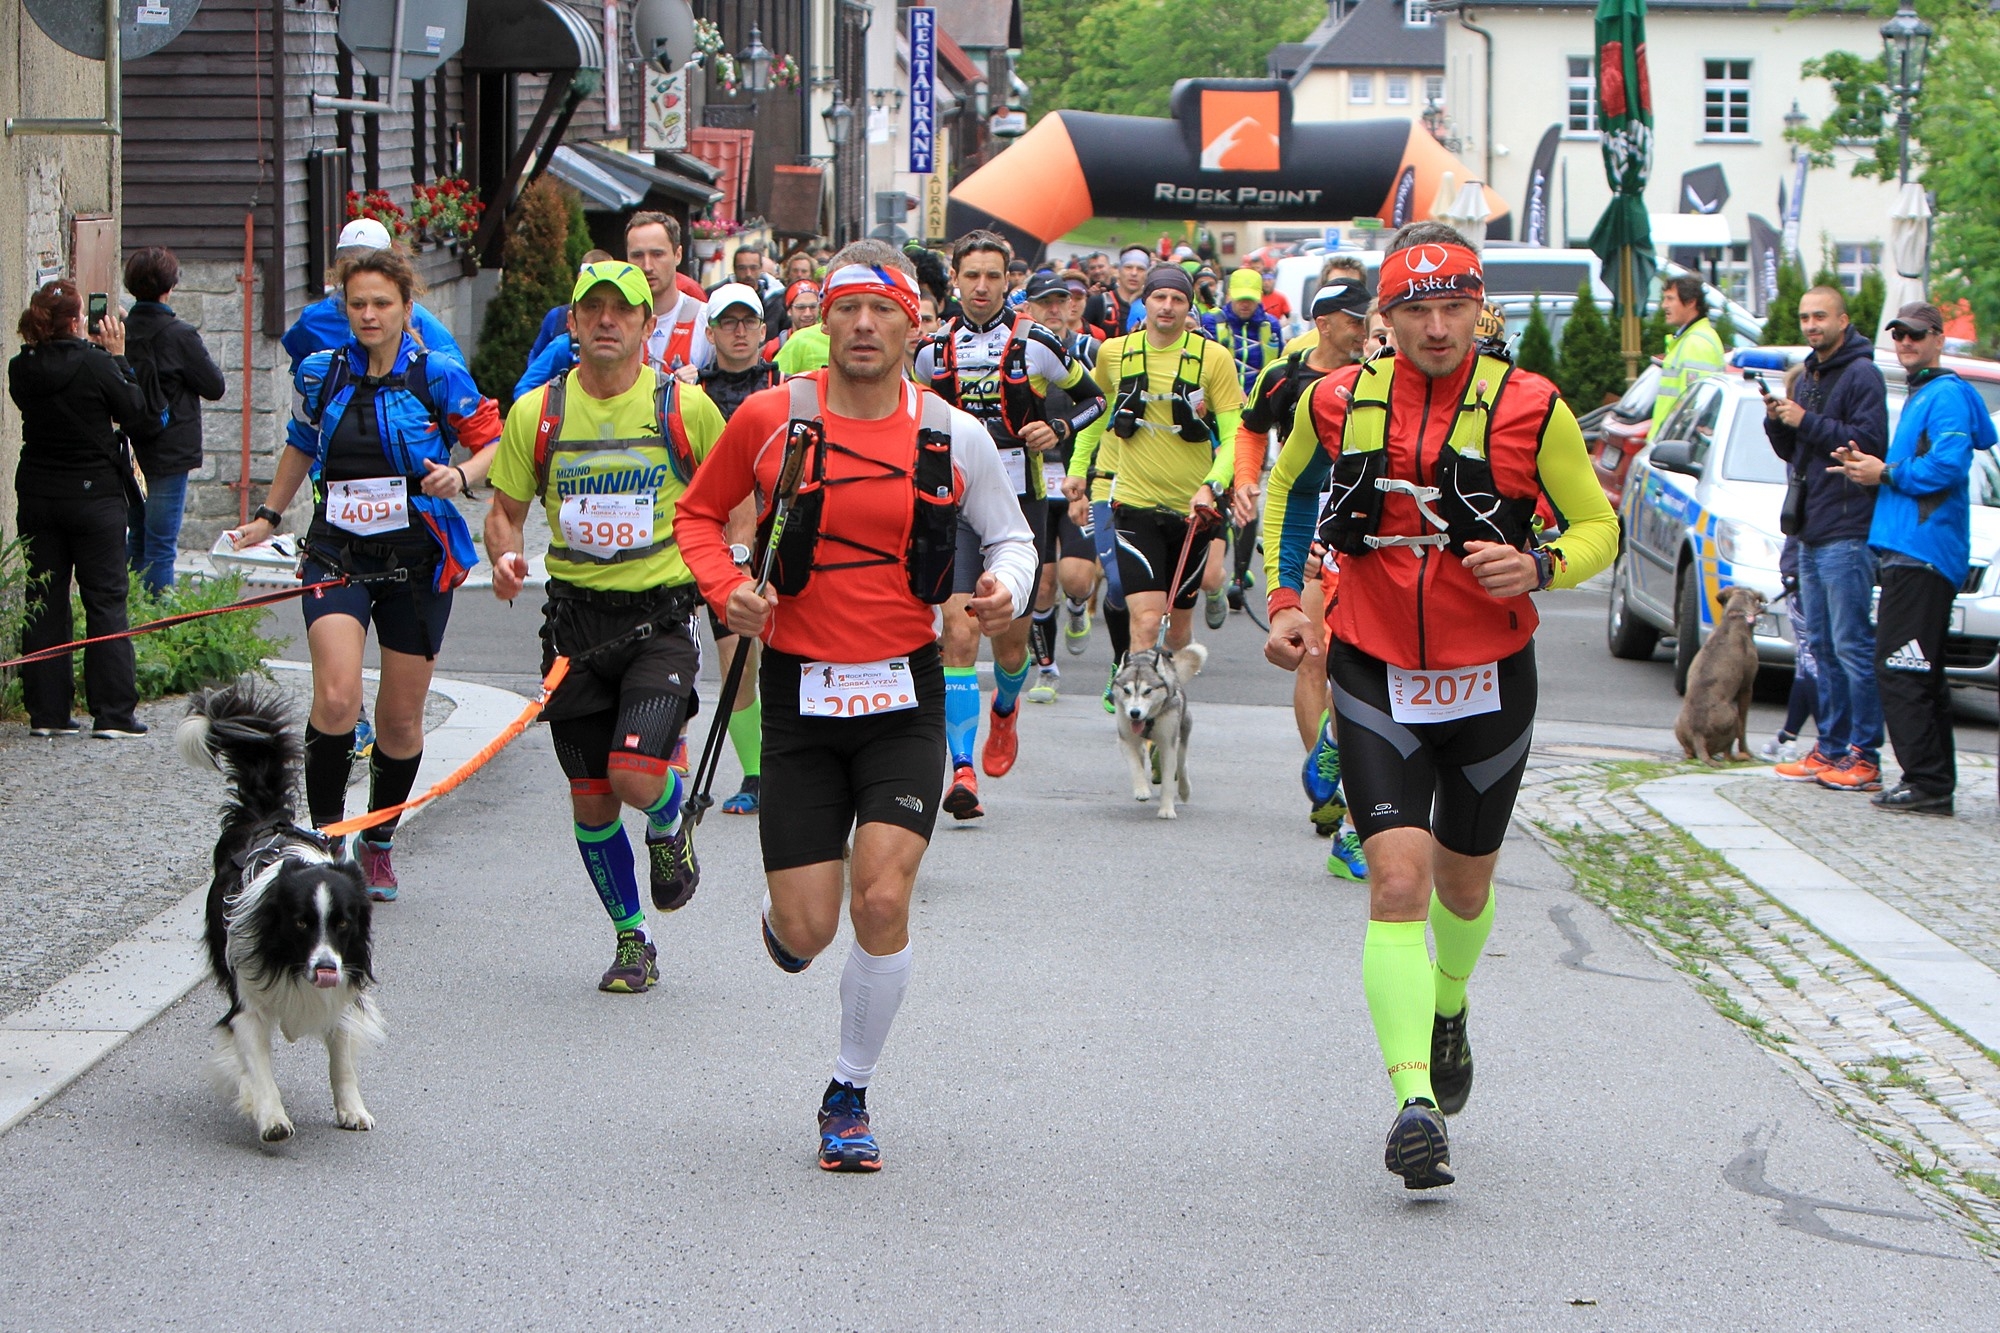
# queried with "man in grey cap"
point(1921, 537)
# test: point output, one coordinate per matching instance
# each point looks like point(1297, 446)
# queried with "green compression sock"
point(1007, 684)
point(663, 817)
point(746, 733)
point(1458, 945)
point(1395, 975)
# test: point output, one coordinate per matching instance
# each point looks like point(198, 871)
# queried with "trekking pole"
point(790, 470)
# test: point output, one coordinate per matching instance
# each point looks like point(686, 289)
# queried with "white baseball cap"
point(733, 293)
point(363, 234)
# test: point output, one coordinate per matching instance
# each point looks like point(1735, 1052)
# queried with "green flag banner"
point(1625, 119)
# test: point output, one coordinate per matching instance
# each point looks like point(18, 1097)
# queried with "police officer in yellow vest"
point(609, 448)
point(1694, 348)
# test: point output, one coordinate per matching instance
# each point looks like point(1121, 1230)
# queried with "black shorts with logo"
point(1458, 778)
point(632, 698)
point(825, 775)
point(970, 562)
point(409, 616)
point(1149, 546)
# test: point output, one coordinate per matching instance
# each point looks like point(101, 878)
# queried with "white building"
point(1724, 74)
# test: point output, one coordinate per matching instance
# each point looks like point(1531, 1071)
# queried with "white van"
point(1510, 272)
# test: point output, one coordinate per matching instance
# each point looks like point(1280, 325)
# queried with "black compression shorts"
point(409, 617)
point(628, 703)
point(825, 775)
point(1149, 546)
point(1458, 779)
point(1066, 540)
point(970, 563)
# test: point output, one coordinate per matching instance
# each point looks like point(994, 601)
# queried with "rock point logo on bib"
point(1239, 130)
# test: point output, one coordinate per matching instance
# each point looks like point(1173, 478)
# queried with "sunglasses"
point(1903, 335)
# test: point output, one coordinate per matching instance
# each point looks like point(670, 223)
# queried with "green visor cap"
point(627, 278)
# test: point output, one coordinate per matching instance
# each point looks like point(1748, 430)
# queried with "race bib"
point(369, 506)
point(1015, 462)
point(855, 689)
point(1442, 696)
point(1052, 477)
point(604, 525)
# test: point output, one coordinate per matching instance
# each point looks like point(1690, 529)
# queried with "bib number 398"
point(855, 689)
point(604, 525)
point(1443, 696)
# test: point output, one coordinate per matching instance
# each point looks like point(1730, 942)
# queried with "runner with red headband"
point(1438, 455)
point(853, 687)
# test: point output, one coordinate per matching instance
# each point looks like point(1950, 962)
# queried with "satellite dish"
point(664, 30)
point(144, 26)
point(433, 30)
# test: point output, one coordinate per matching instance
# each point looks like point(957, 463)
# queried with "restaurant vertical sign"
point(923, 89)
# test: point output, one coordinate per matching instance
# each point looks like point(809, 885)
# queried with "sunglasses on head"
point(1903, 335)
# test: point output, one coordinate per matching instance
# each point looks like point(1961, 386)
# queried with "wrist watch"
point(271, 516)
point(1545, 568)
point(739, 554)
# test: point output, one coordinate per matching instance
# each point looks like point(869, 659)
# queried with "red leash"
point(247, 604)
point(1203, 519)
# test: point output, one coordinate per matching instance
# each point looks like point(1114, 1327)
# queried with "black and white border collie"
point(288, 920)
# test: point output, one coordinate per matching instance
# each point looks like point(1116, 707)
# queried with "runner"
point(1332, 271)
point(999, 367)
point(373, 424)
point(1120, 308)
point(736, 374)
point(322, 326)
point(1160, 461)
point(842, 609)
point(1340, 318)
point(1072, 564)
point(1253, 337)
point(1434, 492)
point(620, 598)
point(801, 312)
point(679, 341)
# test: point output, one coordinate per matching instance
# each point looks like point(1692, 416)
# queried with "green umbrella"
point(1623, 238)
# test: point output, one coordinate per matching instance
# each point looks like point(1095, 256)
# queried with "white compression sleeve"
point(871, 991)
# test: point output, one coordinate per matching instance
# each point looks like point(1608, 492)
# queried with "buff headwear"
point(1429, 273)
point(802, 285)
point(1167, 278)
point(869, 280)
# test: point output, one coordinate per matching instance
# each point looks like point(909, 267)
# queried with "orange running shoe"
point(962, 800)
point(1003, 742)
point(1804, 770)
point(1852, 773)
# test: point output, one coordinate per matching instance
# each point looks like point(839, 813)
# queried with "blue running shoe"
point(364, 737)
point(1320, 776)
point(747, 798)
point(1417, 1149)
point(845, 1141)
point(784, 960)
point(1347, 860)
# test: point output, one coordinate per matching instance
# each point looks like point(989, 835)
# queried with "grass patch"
point(1986, 1184)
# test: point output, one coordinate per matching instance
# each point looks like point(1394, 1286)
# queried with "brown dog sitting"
point(1716, 712)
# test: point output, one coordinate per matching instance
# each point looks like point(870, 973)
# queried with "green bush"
point(15, 603)
point(1538, 350)
point(1781, 318)
point(1653, 335)
point(1592, 369)
point(1865, 306)
point(538, 275)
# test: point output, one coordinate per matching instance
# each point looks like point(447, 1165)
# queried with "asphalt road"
point(1133, 1085)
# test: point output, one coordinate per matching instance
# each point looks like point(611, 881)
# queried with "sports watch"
point(1545, 568)
point(739, 554)
point(271, 516)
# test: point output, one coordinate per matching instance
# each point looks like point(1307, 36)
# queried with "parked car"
point(1614, 434)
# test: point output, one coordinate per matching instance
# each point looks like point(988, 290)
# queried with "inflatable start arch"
point(1230, 152)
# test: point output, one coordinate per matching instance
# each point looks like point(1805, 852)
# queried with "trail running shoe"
point(635, 967)
point(1417, 1149)
point(1048, 684)
point(377, 871)
point(1451, 1062)
point(676, 872)
point(1852, 773)
point(1780, 749)
point(779, 954)
point(1076, 629)
point(962, 801)
point(1347, 860)
point(1807, 769)
point(1905, 799)
point(1109, 681)
point(1234, 592)
point(845, 1141)
point(678, 760)
point(1216, 609)
point(1003, 742)
point(1320, 776)
point(364, 736)
point(747, 798)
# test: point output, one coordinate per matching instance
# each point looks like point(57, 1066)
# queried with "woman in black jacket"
point(186, 374)
point(73, 396)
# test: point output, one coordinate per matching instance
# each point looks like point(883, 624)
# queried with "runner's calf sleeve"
point(871, 991)
point(1007, 685)
point(1118, 624)
point(389, 783)
point(329, 758)
point(1459, 942)
point(1396, 977)
point(607, 857)
point(961, 712)
point(663, 817)
point(746, 733)
point(1042, 637)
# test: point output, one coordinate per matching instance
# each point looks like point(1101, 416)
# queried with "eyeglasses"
point(1903, 335)
point(739, 324)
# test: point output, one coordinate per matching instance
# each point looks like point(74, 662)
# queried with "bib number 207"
point(1442, 696)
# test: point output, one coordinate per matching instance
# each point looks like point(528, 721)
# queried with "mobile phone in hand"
point(100, 305)
point(1757, 380)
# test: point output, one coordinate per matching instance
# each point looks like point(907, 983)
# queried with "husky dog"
point(1149, 699)
point(288, 920)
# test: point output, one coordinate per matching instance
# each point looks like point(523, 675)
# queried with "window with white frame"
point(1396, 89)
point(1725, 98)
point(1417, 13)
point(1580, 97)
point(1360, 88)
point(1855, 262)
point(1434, 89)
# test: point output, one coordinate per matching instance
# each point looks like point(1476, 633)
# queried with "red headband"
point(1429, 273)
point(872, 280)
point(802, 285)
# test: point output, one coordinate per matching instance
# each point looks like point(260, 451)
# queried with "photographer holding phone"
point(73, 396)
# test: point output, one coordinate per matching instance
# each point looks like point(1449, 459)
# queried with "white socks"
point(871, 991)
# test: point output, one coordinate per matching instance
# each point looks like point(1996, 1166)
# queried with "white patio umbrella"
point(1447, 192)
point(1468, 213)
point(1909, 239)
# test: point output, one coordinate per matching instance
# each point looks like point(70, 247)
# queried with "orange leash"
point(465, 770)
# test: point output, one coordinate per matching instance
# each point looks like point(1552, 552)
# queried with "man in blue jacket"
point(1839, 399)
point(322, 325)
point(1922, 538)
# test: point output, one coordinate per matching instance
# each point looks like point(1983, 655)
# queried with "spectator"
point(323, 324)
point(71, 489)
point(186, 375)
point(1838, 398)
point(1693, 349)
point(1922, 536)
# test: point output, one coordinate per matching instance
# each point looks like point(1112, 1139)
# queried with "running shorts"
point(1457, 779)
point(1149, 546)
point(1065, 538)
point(970, 562)
point(623, 707)
point(828, 774)
point(409, 617)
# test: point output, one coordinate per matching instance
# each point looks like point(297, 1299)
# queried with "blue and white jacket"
point(1924, 509)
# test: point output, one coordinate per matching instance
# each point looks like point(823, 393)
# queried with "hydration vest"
point(1019, 405)
point(672, 440)
point(930, 555)
point(1128, 414)
point(1462, 500)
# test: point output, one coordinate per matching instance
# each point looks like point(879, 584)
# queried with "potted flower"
point(446, 213)
point(710, 234)
point(378, 205)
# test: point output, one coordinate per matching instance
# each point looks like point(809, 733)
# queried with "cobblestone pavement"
point(1926, 1099)
point(100, 837)
point(1943, 873)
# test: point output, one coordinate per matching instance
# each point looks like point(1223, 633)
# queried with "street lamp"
point(1906, 42)
point(839, 119)
point(1436, 123)
point(980, 104)
point(755, 62)
point(1795, 120)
